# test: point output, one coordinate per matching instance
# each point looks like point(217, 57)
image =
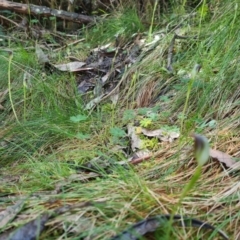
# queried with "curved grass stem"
point(9, 86)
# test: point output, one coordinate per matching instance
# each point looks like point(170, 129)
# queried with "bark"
point(44, 11)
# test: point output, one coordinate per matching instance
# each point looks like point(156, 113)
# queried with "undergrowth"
point(55, 135)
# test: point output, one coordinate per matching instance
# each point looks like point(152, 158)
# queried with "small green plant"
point(117, 132)
point(145, 111)
point(82, 136)
point(201, 124)
point(146, 122)
point(78, 118)
point(34, 21)
point(129, 115)
point(189, 88)
point(150, 143)
point(118, 136)
point(203, 10)
point(201, 152)
point(122, 25)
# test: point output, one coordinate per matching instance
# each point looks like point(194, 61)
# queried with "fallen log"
point(45, 11)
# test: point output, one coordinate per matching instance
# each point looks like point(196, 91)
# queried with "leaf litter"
point(32, 229)
point(108, 67)
point(109, 70)
point(150, 225)
point(222, 157)
point(10, 213)
point(104, 66)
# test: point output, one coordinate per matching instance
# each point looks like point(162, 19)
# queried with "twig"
point(9, 20)
point(141, 159)
point(170, 51)
point(45, 11)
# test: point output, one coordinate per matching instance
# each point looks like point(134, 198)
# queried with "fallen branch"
point(45, 11)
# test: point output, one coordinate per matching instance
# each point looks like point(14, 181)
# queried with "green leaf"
point(117, 132)
point(143, 111)
point(203, 11)
point(34, 21)
point(153, 116)
point(82, 136)
point(164, 98)
point(52, 18)
point(78, 118)
point(146, 111)
point(171, 128)
point(128, 115)
point(146, 122)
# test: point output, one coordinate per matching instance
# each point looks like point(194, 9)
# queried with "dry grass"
point(42, 157)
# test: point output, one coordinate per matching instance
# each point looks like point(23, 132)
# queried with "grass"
point(40, 157)
point(120, 26)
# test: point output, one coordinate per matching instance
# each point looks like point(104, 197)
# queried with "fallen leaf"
point(33, 229)
point(105, 77)
point(222, 157)
point(150, 225)
point(93, 102)
point(102, 47)
point(140, 154)
point(114, 97)
point(29, 231)
point(41, 56)
point(10, 213)
point(84, 86)
point(70, 67)
point(98, 89)
point(152, 133)
point(136, 142)
point(163, 135)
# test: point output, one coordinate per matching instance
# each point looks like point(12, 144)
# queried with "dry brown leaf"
point(163, 135)
point(140, 154)
point(106, 76)
point(136, 142)
point(70, 67)
point(222, 157)
point(114, 97)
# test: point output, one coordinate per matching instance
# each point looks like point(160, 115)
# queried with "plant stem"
point(9, 86)
point(184, 193)
point(194, 72)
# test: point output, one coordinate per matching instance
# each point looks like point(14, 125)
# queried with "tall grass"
point(44, 152)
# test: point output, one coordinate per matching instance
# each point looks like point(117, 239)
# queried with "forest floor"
point(96, 132)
